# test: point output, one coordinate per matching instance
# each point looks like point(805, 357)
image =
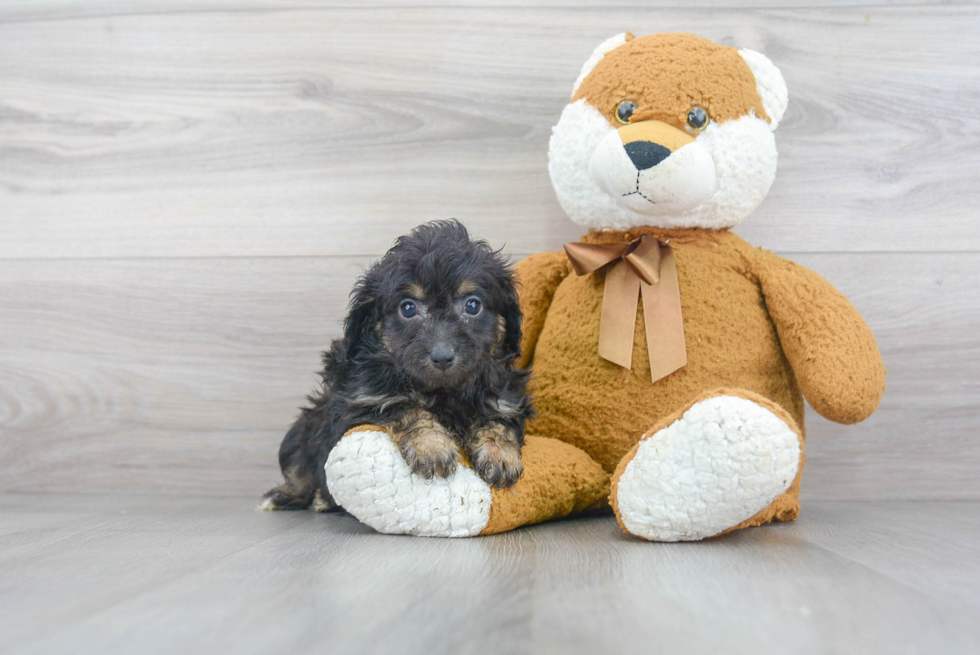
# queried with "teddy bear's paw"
point(726, 459)
point(369, 478)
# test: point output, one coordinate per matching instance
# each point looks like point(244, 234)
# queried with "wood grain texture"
point(188, 190)
point(35, 10)
point(164, 575)
point(325, 131)
point(181, 375)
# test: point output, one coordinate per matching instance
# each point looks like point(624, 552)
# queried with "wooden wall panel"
point(327, 131)
point(180, 376)
point(34, 10)
point(188, 190)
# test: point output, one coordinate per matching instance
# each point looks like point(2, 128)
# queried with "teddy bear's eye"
point(624, 110)
point(697, 119)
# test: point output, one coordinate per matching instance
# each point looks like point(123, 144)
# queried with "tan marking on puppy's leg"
point(427, 446)
point(496, 455)
point(466, 286)
point(319, 504)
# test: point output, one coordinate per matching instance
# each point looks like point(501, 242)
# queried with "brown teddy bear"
point(670, 357)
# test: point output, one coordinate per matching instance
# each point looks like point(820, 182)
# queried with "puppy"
point(429, 344)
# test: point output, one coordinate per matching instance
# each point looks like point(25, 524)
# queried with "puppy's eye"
point(624, 110)
point(697, 119)
point(408, 309)
point(472, 306)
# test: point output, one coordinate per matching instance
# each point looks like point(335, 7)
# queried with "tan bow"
point(644, 265)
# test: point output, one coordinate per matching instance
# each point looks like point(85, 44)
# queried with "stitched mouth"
point(637, 192)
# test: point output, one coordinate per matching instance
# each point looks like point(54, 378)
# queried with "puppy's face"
point(438, 307)
point(441, 334)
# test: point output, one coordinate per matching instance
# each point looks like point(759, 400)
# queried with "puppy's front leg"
point(428, 447)
point(495, 451)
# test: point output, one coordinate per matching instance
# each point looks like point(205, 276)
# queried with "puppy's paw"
point(427, 446)
point(496, 455)
point(499, 467)
point(428, 455)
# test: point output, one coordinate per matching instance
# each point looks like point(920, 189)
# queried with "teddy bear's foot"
point(368, 476)
point(708, 469)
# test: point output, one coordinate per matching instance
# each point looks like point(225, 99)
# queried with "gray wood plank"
point(766, 590)
point(160, 357)
point(933, 549)
point(127, 547)
point(163, 575)
point(924, 435)
point(322, 131)
point(181, 376)
point(38, 10)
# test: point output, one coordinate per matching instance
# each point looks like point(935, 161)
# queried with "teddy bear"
point(670, 358)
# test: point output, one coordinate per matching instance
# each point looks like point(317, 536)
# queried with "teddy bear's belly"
point(604, 409)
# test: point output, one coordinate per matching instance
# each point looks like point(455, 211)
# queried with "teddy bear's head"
point(667, 130)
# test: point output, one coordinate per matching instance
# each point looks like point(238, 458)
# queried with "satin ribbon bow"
point(642, 266)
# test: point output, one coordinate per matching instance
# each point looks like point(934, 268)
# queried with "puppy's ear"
point(361, 317)
point(510, 345)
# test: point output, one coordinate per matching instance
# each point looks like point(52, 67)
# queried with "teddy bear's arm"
point(828, 344)
point(538, 277)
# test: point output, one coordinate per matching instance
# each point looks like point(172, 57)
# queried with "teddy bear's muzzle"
point(653, 168)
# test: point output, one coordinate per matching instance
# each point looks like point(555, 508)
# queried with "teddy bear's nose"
point(646, 154)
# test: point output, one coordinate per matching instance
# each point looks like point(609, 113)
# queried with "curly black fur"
point(383, 371)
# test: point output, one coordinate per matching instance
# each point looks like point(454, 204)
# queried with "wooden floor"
point(109, 574)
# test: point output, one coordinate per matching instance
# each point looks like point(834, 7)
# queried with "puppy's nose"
point(442, 357)
point(646, 154)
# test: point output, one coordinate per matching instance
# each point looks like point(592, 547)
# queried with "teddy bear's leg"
point(716, 465)
point(368, 476)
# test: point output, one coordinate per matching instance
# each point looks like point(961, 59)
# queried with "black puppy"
point(428, 351)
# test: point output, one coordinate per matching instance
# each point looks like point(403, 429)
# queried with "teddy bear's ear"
point(770, 84)
point(600, 52)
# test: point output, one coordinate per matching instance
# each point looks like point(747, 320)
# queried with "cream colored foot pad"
point(722, 462)
point(370, 479)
